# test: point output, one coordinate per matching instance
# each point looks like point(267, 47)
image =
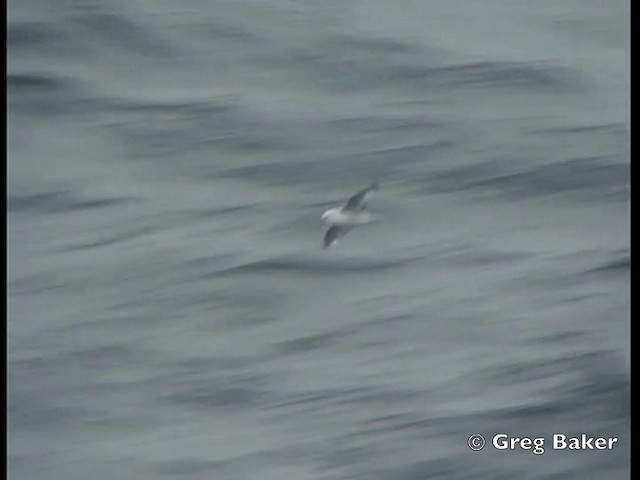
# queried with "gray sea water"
point(171, 313)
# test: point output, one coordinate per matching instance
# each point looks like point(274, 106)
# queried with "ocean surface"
point(171, 311)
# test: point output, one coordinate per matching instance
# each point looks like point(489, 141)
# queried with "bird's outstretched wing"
point(333, 234)
point(359, 201)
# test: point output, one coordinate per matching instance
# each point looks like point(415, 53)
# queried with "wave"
point(58, 202)
point(306, 265)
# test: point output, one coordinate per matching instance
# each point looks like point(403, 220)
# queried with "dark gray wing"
point(333, 234)
point(359, 201)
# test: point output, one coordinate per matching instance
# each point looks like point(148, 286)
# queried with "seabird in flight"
point(351, 214)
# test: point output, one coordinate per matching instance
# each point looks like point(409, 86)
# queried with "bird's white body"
point(338, 216)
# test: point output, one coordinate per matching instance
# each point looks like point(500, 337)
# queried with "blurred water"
point(171, 311)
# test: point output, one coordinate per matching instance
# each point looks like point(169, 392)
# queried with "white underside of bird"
point(338, 216)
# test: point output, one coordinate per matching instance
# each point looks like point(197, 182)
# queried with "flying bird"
point(342, 219)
